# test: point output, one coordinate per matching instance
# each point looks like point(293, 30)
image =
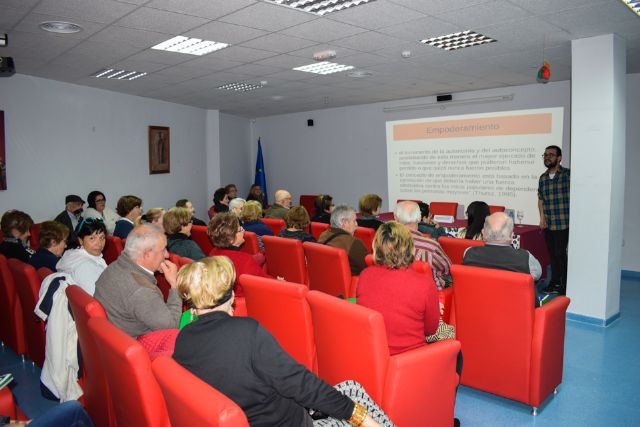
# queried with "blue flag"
point(261, 178)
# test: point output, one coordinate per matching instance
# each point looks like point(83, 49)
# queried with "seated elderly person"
point(226, 236)
point(281, 206)
point(72, 213)
point(476, 213)
point(427, 225)
point(407, 300)
point(236, 205)
point(129, 208)
point(97, 202)
point(52, 238)
point(324, 206)
point(428, 250)
point(15, 226)
point(369, 206)
point(297, 220)
point(340, 235)
point(241, 359)
point(220, 202)
point(177, 225)
point(128, 290)
point(153, 216)
point(251, 221)
point(186, 203)
point(255, 193)
point(498, 252)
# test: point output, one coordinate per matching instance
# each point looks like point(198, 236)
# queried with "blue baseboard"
point(592, 320)
point(630, 274)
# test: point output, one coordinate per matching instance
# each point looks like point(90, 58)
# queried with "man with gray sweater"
point(128, 291)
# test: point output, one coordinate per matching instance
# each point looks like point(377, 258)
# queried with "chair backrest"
point(34, 240)
point(192, 402)
point(351, 343)
point(328, 269)
point(494, 312)
point(200, 236)
point(134, 390)
point(113, 247)
point(443, 208)
point(308, 201)
point(11, 322)
point(281, 307)
point(285, 258)
point(275, 224)
point(96, 390)
point(43, 272)
point(27, 284)
point(454, 247)
point(250, 244)
point(494, 208)
point(317, 228)
point(366, 235)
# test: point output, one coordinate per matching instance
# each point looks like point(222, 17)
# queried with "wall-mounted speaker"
point(442, 98)
point(310, 122)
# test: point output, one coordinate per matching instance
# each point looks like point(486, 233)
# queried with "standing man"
point(553, 204)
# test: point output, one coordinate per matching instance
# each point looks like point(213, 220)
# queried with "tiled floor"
point(601, 379)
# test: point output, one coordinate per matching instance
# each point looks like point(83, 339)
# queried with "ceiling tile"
point(210, 9)
point(97, 52)
point(141, 66)
point(225, 33)
point(581, 21)
point(291, 75)
point(433, 7)
point(484, 14)
point(30, 24)
point(307, 52)
point(180, 73)
point(375, 15)
point(42, 46)
point(368, 42)
point(323, 30)
point(105, 11)
point(255, 70)
point(278, 43)
point(419, 29)
point(283, 61)
point(161, 21)
point(243, 54)
point(19, 4)
point(130, 36)
point(269, 17)
point(161, 57)
point(10, 17)
point(543, 7)
point(363, 60)
point(213, 62)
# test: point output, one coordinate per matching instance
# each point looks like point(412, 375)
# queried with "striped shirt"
point(429, 250)
point(554, 193)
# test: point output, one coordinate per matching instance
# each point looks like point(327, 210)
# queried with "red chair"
point(43, 272)
point(34, 240)
point(290, 323)
point(493, 209)
point(329, 271)
point(192, 402)
point(454, 247)
point(11, 321)
point(250, 244)
point(200, 236)
point(443, 208)
point(275, 224)
point(317, 228)
point(27, 283)
point(308, 201)
point(285, 258)
point(366, 235)
point(351, 343)
point(113, 247)
point(510, 348)
point(97, 399)
point(8, 405)
point(134, 390)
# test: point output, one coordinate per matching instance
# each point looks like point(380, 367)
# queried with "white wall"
point(67, 139)
point(237, 157)
point(631, 229)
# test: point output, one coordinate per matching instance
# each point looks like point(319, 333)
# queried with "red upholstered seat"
point(34, 239)
point(11, 322)
point(443, 208)
point(510, 348)
point(285, 258)
point(250, 244)
point(27, 284)
point(281, 307)
point(192, 402)
point(317, 228)
point(454, 247)
point(134, 390)
point(274, 224)
point(200, 236)
point(96, 390)
point(415, 388)
point(308, 201)
point(43, 272)
point(8, 405)
point(329, 270)
point(113, 247)
point(494, 208)
point(366, 235)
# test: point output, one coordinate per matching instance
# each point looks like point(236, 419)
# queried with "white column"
point(212, 153)
point(597, 177)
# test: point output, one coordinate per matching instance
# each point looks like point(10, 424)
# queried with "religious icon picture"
point(159, 149)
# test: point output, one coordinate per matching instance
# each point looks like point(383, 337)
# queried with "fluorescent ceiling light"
point(240, 87)
point(182, 44)
point(61, 27)
point(320, 7)
point(115, 74)
point(458, 40)
point(4, 40)
point(634, 5)
point(324, 67)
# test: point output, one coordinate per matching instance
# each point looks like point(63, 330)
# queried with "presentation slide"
point(491, 157)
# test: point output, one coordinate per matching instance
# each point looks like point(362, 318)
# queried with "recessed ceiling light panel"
point(60, 27)
point(359, 74)
point(324, 67)
point(320, 7)
point(115, 74)
point(634, 5)
point(458, 40)
point(240, 87)
point(191, 46)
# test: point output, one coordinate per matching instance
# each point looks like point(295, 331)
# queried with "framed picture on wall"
point(3, 159)
point(159, 149)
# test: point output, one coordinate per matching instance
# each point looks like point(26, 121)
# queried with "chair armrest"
point(547, 349)
point(420, 386)
point(353, 286)
point(446, 297)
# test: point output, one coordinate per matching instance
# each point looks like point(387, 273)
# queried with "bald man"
point(498, 252)
point(281, 206)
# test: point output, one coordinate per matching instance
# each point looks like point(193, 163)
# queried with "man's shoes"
point(456, 422)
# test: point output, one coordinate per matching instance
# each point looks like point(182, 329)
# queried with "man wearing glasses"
point(553, 204)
